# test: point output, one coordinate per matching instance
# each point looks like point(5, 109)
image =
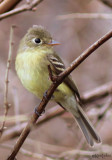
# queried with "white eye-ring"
point(37, 41)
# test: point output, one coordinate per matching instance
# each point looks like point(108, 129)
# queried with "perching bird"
point(35, 53)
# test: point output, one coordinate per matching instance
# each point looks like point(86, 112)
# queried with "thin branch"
point(104, 151)
point(28, 153)
point(97, 93)
point(105, 108)
point(52, 149)
point(6, 5)
point(25, 7)
point(51, 90)
point(6, 104)
point(11, 120)
point(85, 16)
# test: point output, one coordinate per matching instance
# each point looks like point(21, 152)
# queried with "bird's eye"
point(37, 40)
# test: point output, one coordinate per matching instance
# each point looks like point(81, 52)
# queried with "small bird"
point(35, 54)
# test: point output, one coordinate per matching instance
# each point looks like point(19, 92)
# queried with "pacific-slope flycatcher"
point(35, 53)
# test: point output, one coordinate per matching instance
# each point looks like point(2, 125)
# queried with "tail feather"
point(86, 127)
point(84, 131)
point(89, 125)
point(71, 105)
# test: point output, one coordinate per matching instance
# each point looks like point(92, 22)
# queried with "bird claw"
point(36, 112)
point(45, 95)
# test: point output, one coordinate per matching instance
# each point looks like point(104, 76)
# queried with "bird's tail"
point(86, 127)
point(71, 105)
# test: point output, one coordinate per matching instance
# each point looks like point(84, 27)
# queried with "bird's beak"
point(53, 43)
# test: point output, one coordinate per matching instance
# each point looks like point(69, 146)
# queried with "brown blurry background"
point(75, 35)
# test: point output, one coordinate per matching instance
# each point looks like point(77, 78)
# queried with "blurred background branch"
point(7, 5)
point(25, 7)
point(28, 153)
point(85, 15)
point(103, 151)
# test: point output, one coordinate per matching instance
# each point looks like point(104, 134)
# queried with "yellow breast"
point(33, 72)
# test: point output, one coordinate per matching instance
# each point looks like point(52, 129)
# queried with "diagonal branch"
point(51, 90)
point(6, 5)
point(25, 7)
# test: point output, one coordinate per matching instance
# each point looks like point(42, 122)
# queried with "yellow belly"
point(33, 72)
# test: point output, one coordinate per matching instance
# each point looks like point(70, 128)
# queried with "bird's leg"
point(45, 95)
point(36, 112)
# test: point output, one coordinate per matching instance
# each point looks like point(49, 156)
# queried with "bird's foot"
point(36, 112)
point(45, 95)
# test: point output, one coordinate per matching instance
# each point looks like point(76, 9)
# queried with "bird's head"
point(37, 36)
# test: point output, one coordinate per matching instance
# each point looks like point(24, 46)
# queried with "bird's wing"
point(57, 67)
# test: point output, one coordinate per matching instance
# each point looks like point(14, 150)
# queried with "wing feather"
point(58, 66)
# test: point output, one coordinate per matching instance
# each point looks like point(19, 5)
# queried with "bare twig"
point(51, 90)
point(105, 108)
point(12, 119)
point(6, 104)
point(85, 15)
point(25, 7)
point(97, 93)
point(28, 153)
point(103, 151)
point(6, 5)
point(16, 107)
point(48, 148)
